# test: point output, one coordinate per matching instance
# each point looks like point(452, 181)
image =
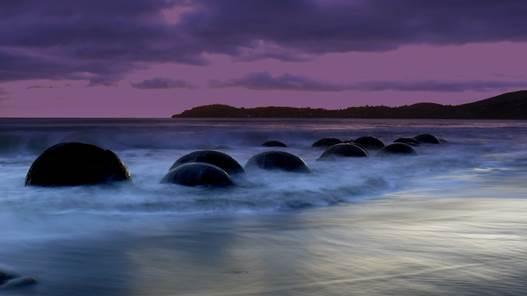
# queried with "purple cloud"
point(101, 41)
point(265, 81)
point(162, 83)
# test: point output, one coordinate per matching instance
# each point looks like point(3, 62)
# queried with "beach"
point(450, 220)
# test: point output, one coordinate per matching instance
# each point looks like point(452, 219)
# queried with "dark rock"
point(278, 160)
point(357, 144)
point(370, 143)
point(71, 164)
point(427, 139)
point(219, 159)
point(198, 174)
point(326, 142)
point(408, 141)
point(5, 276)
point(19, 282)
point(274, 143)
point(343, 150)
point(11, 280)
point(398, 149)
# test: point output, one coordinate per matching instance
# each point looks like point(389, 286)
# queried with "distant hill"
point(511, 105)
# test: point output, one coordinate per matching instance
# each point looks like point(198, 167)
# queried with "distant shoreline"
point(507, 106)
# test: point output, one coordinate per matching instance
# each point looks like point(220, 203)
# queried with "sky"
point(154, 58)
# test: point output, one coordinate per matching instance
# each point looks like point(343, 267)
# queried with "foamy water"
point(450, 220)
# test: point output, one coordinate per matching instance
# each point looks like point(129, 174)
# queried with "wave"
point(149, 149)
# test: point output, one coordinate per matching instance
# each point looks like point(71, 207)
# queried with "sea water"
point(452, 220)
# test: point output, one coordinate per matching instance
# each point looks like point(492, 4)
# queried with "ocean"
point(451, 220)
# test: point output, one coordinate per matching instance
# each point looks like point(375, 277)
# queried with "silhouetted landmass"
point(511, 105)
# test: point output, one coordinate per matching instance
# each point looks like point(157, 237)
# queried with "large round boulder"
point(398, 149)
point(198, 174)
point(217, 158)
point(72, 164)
point(326, 142)
point(370, 143)
point(343, 150)
point(427, 139)
point(357, 144)
point(408, 141)
point(10, 280)
point(274, 143)
point(278, 160)
point(5, 276)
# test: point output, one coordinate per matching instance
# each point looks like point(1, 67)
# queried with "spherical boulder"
point(398, 149)
point(19, 282)
point(274, 143)
point(427, 139)
point(343, 150)
point(198, 174)
point(370, 143)
point(358, 145)
point(408, 141)
point(5, 276)
point(217, 158)
point(278, 160)
point(12, 280)
point(326, 142)
point(73, 164)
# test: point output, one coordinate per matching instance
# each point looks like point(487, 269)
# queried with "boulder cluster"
point(74, 164)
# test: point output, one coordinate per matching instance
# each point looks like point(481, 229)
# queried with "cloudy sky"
point(153, 58)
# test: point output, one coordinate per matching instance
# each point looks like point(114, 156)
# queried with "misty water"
point(452, 220)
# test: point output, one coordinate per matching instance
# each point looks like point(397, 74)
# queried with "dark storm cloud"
point(96, 40)
point(101, 40)
point(265, 81)
point(162, 83)
point(18, 64)
point(354, 25)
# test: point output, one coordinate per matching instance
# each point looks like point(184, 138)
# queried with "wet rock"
point(19, 282)
point(198, 174)
point(72, 164)
point(326, 142)
point(217, 158)
point(398, 149)
point(5, 276)
point(427, 139)
point(357, 144)
point(11, 280)
point(370, 143)
point(408, 141)
point(343, 150)
point(274, 143)
point(278, 160)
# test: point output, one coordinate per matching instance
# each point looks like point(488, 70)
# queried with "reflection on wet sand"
point(407, 244)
